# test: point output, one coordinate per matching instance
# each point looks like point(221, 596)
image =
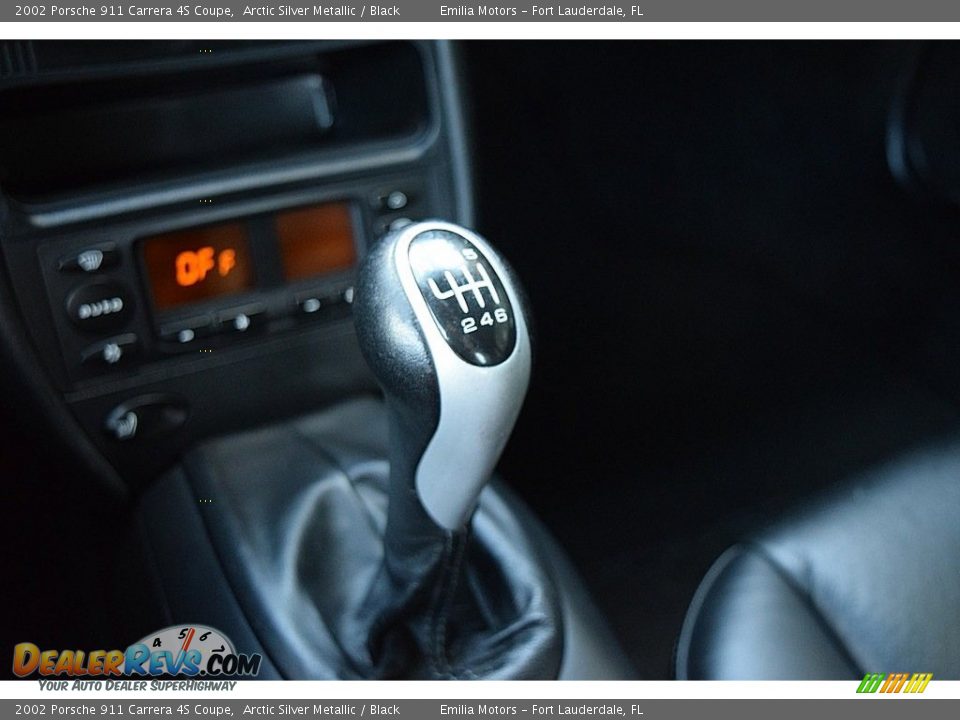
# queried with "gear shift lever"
point(444, 583)
point(442, 324)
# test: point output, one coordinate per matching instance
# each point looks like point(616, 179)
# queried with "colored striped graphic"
point(894, 682)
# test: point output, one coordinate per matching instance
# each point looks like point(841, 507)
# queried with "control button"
point(400, 223)
point(146, 416)
point(392, 200)
point(241, 320)
point(310, 305)
point(123, 425)
point(389, 223)
point(187, 331)
point(397, 200)
point(111, 351)
point(313, 303)
point(90, 260)
point(99, 306)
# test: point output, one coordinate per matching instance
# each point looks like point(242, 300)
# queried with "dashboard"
point(181, 223)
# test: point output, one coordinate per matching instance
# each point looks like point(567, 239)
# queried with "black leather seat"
point(865, 580)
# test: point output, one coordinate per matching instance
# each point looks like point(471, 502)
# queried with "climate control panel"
point(206, 282)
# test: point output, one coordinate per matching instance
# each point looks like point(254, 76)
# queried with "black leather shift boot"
point(296, 513)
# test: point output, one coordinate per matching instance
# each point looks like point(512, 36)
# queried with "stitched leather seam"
point(455, 551)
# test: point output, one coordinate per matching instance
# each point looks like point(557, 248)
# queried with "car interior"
point(485, 359)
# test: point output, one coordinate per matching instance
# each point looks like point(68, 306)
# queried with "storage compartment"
point(67, 139)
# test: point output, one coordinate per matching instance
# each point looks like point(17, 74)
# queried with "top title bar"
point(433, 11)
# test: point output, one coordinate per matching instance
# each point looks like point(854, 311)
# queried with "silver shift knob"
point(442, 322)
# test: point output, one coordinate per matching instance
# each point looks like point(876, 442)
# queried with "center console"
point(183, 221)
point(208, 248)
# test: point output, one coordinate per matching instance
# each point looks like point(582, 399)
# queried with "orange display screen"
point(198, 264)
point(316, 240)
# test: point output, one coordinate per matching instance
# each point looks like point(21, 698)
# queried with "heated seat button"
point(146, 416)
point(110, 352)
point(99, 306)
point(90, 260)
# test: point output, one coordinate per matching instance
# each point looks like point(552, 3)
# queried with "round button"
point(99, 306)
point(396, 200)
point(146, 416)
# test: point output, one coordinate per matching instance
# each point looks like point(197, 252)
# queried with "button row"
point(249, 318)
point(236, 321)
point(101, 305)
point(395, 208)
